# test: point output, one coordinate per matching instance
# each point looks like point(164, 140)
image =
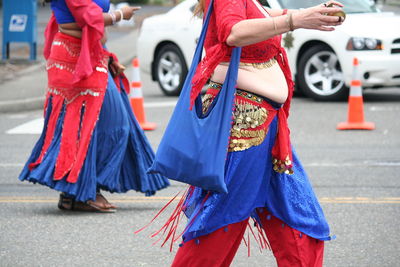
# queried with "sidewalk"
point(24, 89)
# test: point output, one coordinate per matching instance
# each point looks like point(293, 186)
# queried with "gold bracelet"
point(291, 27)
point(113, 19)
point(122, 14)
point(287, 21)
point(273, 21)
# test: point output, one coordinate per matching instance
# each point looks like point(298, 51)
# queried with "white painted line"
point(160, 104)
point(18, 116)
point(11, 165)
point(31, 127)
point(35, 126)
point(314, 164)
point(384, 108)
point(386, 164)
point(333, 164)
point(335, 200)
point(354, 164)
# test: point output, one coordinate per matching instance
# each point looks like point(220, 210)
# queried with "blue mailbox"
point(19, 25)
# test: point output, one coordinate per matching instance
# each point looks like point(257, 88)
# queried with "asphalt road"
point(355, 175)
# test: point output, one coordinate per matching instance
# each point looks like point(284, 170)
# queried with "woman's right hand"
point(316, 17)
point(128, 11)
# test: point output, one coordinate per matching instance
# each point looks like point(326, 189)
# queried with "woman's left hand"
point(129, 11)
point(316, 17)
point(116, 68)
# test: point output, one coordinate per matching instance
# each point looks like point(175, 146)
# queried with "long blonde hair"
point(199, 9)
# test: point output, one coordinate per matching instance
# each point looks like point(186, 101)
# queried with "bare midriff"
point(74, 30)
point(265, 80)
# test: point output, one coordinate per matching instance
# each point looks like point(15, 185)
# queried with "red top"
point(227, 13)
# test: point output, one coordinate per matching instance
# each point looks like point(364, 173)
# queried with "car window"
point(350, 6)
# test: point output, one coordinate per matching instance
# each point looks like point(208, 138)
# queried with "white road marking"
point(160, 104)
point(18, 116)
point(313, 164)
point(383, 108)
point(35, 126)
point(31, 127)
point(11, 165)
point(334, 200)
point(354, 164)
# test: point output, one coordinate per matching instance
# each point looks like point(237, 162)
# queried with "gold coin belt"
point(249, 118)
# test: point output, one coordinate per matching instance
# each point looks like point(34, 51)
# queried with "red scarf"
point(281, 152)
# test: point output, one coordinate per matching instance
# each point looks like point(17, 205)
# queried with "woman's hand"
point(317, 17)
point(128, 11)
point(116, 68)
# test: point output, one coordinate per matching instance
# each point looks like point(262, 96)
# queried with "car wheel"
point(320, 75)
point(171, 70)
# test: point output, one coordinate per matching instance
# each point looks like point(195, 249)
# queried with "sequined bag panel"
point(250, 118)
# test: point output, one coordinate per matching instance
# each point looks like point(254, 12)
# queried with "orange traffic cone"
point(355, 118)
point(136, 98)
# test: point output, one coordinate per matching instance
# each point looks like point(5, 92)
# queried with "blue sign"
point(19, 25)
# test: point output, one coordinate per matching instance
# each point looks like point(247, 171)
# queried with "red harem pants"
point(289, 246)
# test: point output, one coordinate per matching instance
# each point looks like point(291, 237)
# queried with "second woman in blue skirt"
point(91, 140)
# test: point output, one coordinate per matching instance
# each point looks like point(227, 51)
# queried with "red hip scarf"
point(251, 119)
point(81, 102)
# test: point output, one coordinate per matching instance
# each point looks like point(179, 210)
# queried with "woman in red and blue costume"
point(91, 140)
point(263, 174)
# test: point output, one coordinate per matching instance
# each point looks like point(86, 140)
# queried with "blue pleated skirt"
point(252, 183)
point(117, 159)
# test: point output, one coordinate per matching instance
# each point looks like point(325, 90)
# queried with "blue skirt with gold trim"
point(251, 180)
point(117, 159)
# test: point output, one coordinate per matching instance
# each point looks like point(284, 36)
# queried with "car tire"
point(320, 75)
point(170, 69)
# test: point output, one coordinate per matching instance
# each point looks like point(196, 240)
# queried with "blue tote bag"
point(194, 146)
